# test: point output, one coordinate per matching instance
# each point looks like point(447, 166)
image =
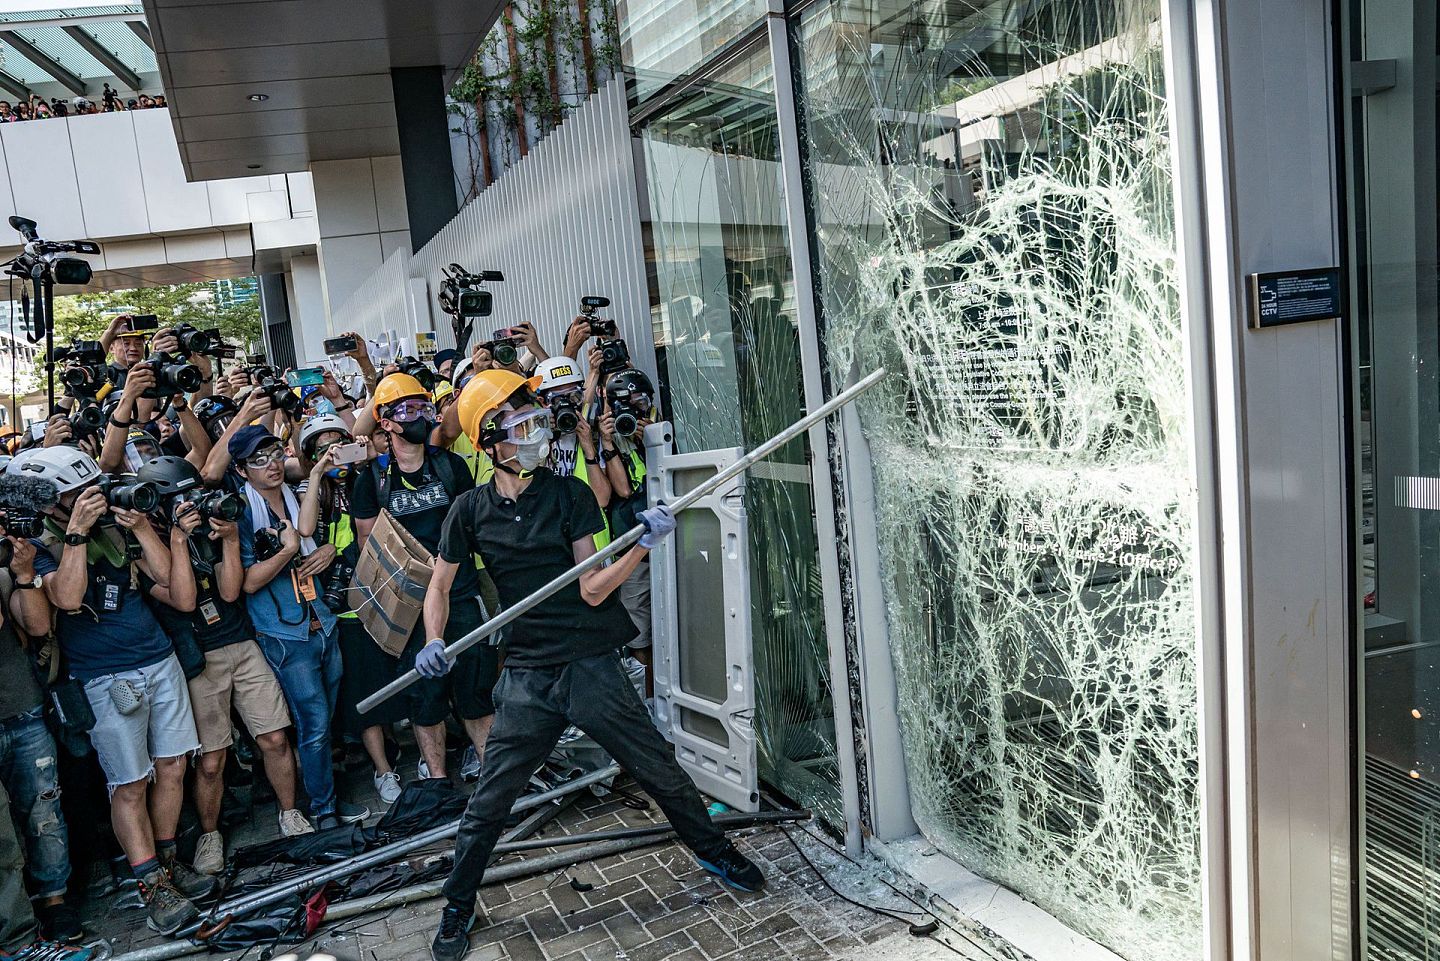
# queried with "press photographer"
point(133, 681)
point(235, 674)
point(629, 409)
point(294, 627)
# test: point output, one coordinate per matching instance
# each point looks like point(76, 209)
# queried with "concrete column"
point(424, 129)
point(360, 210)
point(309, 318)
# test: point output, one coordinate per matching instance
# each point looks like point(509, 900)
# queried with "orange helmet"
point(395, 387)
point(484, 394)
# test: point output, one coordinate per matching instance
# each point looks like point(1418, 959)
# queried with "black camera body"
point(86, 373)
point(219, 505)
point(599, 326)
point(419, 370)
point(87, 419)
point(566, 415)
point(282, 397)
point(192, 340)
point(172, 376)
point(267, 543)
point(131, 495)
point(337, 586)
point(460, 296)
point(21, 523)
point(614, 355)
point(627, 417)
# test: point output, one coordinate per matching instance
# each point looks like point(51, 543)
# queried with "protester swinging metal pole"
point(630, 537)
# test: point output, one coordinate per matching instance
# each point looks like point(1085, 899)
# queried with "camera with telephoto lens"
point(129, 495)
point(614, 355)
point(20, 523)
point(172, 376)
point(282, 397)
point(337, 586)
point(419, 370)
point(219, 505)
point(599, 326)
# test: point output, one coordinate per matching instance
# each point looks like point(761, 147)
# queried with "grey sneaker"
point(470, 765)
point(293, 824)
point(168, 910)
point(388, 786)
point(210, 853)
point(192, 885)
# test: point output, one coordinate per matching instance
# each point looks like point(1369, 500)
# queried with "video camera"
point(461, 297)
point(40, 259)
point(21, 523)
point(86, 374)
point(599, 326)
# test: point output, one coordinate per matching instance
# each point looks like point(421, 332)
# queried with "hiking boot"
point(733, 869)
point(470, 765)
point(210, 853)
point(192, 886)
point(168, 909)
point(388, 786)
point(293, 824)
point(452, 941)
point(49, 951)
point(60, 922)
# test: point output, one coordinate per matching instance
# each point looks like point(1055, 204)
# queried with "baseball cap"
point(248, 439)
point(449, 353)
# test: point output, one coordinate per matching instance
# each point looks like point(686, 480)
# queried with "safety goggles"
point(411, 409)
point(523, 425)
point(265, 457)
point(562, 394)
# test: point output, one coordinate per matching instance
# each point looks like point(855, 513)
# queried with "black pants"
point(533, 708)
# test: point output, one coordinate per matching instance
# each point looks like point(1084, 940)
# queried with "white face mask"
point(534, 451)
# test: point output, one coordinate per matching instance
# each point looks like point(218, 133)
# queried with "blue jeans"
point(309, 673)
point(28, 771)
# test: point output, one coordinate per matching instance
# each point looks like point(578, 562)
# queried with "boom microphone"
point(27, 493)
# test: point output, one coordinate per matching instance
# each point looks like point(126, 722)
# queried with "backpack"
point(445, 472)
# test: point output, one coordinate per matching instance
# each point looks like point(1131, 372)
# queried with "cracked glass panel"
point(991, 192)
point(730, 352)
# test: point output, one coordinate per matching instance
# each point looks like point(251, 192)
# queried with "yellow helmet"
point(443, 389)
point(484, 394)
point(395, 387)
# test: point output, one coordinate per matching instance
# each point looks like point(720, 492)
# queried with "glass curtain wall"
point(1393, 214)
point(728, 343)
point(994, 222)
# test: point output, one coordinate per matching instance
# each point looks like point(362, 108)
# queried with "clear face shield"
point(139, 451)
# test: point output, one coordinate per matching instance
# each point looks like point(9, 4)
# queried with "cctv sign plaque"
point(1295, 297)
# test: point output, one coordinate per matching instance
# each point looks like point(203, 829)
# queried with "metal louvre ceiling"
point(323, 64)
point(44, 49)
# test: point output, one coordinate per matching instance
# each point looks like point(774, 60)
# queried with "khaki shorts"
point(239, 674)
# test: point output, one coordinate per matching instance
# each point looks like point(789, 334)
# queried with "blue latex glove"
point(659, 524)
point(431, 661)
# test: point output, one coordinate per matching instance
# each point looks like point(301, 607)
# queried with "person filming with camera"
point(531, 526)
point(417, 487)
point(295, 629)
point(144, 728)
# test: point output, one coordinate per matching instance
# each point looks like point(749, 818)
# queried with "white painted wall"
point(361, 219)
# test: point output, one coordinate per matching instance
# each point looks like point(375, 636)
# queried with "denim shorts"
point(162, 726)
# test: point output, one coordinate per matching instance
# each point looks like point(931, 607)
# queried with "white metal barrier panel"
point(700, 586)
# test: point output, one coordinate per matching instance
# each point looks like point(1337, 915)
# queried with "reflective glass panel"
point(662, 39)
point(726, 335)
point(992, 200)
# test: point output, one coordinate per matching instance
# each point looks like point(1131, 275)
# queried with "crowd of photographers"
point(179, 544)
point(38, 108)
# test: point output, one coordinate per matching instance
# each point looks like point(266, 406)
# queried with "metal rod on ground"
point(731, 822)
point(380, 855)
point(630, 537)
point(421, 892)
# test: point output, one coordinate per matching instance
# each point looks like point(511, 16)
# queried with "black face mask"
point(417, 431)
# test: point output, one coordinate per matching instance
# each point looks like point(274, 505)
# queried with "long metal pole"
point(630, 537)
point(388, 852)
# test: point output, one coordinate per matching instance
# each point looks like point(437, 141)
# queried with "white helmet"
point(315, 426)
point(559, 372)
point(68, 468)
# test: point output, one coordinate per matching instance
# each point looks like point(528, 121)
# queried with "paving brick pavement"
point(649, 904)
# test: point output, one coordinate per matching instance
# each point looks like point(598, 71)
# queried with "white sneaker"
point(210, 853)
point(423, 770)
point(293, 823)
point(388, 784)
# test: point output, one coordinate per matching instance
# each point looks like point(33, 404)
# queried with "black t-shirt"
point(527, 543)
point(419, 503)
point(215, 622)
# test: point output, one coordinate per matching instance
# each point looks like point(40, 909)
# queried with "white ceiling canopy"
point(322, 68)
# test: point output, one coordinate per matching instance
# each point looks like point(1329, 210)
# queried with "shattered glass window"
point(726, 335)
point(991, 190)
